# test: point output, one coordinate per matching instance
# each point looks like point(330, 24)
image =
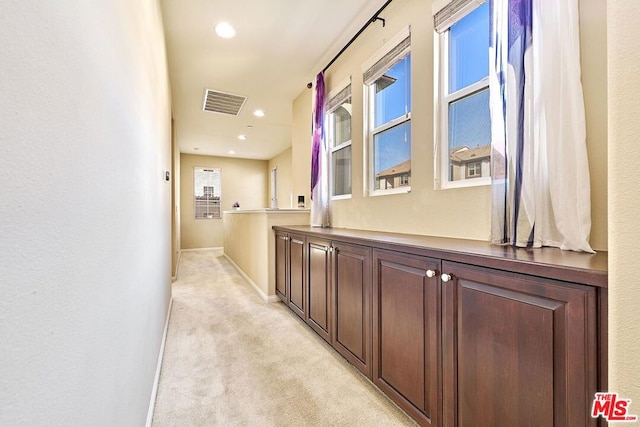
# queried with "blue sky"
point(469, 119)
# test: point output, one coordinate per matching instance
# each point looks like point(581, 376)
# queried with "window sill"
point(400, 190)
point(463, 183)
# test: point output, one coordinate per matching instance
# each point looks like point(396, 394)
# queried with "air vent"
point(220, 102)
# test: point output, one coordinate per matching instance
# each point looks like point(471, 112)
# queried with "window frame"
point(335, 148)
point(477, 169)
point(442, 100)
point(195, 200)
point(369, 114)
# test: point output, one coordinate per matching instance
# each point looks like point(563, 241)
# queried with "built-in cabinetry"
point(457, 333)
point(406, 324)
point(319, 264)
point(352, 304)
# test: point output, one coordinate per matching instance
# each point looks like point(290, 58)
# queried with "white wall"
point(85, 244)
point(623, 43)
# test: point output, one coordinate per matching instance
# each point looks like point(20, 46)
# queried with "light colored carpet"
point(233, 360)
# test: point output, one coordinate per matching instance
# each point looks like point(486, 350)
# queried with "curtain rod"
point(374, 18)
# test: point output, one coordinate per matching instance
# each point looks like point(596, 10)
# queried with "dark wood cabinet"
point(352, 304)
point(282, 266)
point(319, 287)
point(457, 333)
point(517, 350)
point(406, 326)
point(297, 292)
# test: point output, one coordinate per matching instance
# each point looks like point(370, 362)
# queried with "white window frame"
point(217, 171)
point(369, 119)
point(332, 149)
point(442, 98)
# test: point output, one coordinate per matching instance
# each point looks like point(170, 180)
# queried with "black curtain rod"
point(374, 18)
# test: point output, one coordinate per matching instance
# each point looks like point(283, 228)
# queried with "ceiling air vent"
point(220, 102)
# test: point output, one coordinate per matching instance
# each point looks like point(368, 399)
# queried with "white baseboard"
point(156, 380)
point(267, 298)
point(202, 249)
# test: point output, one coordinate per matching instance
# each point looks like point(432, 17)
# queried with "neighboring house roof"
point(465, 154)
point(399, 169)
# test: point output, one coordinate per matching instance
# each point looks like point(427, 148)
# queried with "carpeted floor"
point(233, 360)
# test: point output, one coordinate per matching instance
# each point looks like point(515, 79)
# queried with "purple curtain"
point(318, 126)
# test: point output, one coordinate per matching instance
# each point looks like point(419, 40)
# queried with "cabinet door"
point(297, 294)
point(406, 330)
point(517, 350)
point(352, 304)
point(281, 266)
point(319, 286)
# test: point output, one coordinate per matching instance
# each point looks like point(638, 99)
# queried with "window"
point(474, 169)
point(388, 102)
point(338, 130)
point(463, 135)
point(206, 191)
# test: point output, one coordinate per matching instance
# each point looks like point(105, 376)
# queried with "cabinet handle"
point(330, 249)
point(431, 273)
point(445, 277)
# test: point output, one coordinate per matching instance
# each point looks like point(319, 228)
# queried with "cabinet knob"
point(431, 273)
point(445, 277)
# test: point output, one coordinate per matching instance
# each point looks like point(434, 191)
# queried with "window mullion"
point(468, 90)
point(391, 124)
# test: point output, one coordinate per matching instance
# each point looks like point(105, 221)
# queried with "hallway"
point(231, 359)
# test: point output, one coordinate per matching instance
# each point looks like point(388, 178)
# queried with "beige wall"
point(464, 212)
point(301, 147)
point(249, 242)
point(85, 212)
point(283, 162)
point(623, 45)
point(175, 202)
point(244, 181)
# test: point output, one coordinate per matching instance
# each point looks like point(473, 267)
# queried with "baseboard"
point(265, 297)
point(202, 249)
point(156, 380)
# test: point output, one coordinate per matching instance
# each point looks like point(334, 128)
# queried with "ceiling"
point(280, 45)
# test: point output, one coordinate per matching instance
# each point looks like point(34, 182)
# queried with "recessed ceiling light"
point(232, 152)
point(242, 137)
point(195, 148)
point(258, 113)
point(225, 30)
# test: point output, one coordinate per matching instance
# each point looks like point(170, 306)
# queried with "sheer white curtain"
point(541, 189)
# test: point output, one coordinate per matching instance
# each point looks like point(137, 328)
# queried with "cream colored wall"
point(85, 212)
point(245, 243)
point(465, 212)
point(593, 40)
point(283, 162)
point(623, 45)
point(244, 181)
point(249, 242)
point(301, 147)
